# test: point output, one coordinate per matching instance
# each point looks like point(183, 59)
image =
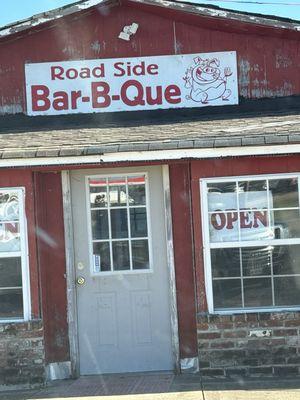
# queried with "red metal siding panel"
point(50, 233)
point(268, 65)
point(183, 253)
point(228, 167)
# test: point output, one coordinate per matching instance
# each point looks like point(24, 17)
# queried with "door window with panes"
point(119, 224)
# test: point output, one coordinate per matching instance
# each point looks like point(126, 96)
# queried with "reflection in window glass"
point(9, 206)
point(138, 222)
point(284, 192)
point(11, 303)
point(227, 293)
point(119, 223)
point(257, 292)
point(246, 213)
point(225, 263)
point(98, 192)
point(257, 260)
point(101, 257)
point(117, 196)
point(99, 224)
point(121, 258)
point(287, 291)
point(140, 254)
point(11, 284)
point(10, 272)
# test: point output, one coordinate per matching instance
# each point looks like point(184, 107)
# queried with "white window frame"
point(207, 246)
point(130, 271)
point(23, 253)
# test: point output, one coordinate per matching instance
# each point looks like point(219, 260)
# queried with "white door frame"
point(70, 271)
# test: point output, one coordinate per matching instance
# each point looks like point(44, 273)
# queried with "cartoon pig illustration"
point(205, 81)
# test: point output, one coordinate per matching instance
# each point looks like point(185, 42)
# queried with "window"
point(14, 286)
point(119, 223)
point(251, 231)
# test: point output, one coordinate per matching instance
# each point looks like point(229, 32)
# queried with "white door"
point(121, 270)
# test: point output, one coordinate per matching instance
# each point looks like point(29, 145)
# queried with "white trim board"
point(155, 155)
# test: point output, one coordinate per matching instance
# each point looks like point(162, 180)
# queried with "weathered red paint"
point(23, 178)
point(183, 255)
point(50, 240)
point(267, 57)
point(222, 168)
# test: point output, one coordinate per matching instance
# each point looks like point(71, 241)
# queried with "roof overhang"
point(186, 7)
point(151, 156)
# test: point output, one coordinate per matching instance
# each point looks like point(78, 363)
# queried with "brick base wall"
point(227, 349)
point(22, 359)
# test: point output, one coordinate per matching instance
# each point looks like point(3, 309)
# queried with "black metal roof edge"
point(246, 109)
point(72, 8)
point(264, 16)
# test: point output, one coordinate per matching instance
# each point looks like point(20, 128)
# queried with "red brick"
point(285, 332)
point(202, 326)
point(221, 345)
point(293, 322)
point(235, 334)
point(209, 335)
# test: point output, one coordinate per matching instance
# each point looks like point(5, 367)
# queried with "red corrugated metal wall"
point(268, 60)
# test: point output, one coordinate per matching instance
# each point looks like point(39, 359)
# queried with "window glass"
point(98, 192)
point(246, 212)
point(227, 293)
point(284, 192)
point(140, 254)
point(11, 244)
point(101, 257)
point(11, 303)
point(119, 227)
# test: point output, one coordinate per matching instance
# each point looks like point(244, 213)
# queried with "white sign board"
point(130, 84)
point(252, 219)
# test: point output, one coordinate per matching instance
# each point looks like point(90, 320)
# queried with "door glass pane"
point(10, 237)
point(11, 303)
point(225, 263)
point(117, 191)
point(138, 222)
point(287, 291)
point(257, 292)
point(227, 293)
point(140, 254)
point(101, 257)
point(119, 223)
point(9, 206)
point(98, 192)
point(137, 190)
point(100, 224)
point(121, 255)
point(10, 272)
point(284, 192)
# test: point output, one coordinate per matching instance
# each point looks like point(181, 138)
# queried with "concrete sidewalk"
point(162, 386)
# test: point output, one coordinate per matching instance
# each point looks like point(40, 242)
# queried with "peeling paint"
point(11, 109)
point(96, 46)
point(282, 61)
point(39, 19)
point(244, 77)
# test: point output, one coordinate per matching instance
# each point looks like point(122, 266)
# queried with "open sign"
point(227, 222)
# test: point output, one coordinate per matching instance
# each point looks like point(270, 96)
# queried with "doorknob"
point(80, 280)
